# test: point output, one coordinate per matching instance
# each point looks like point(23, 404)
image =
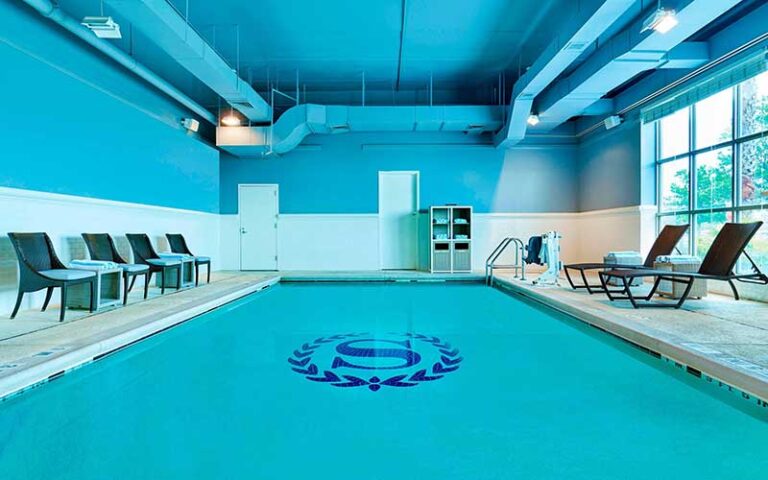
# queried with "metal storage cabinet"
point(450, 238)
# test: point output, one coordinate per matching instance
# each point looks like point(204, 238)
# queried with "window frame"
point(735, 143)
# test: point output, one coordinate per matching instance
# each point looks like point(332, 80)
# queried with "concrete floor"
point(723, 338)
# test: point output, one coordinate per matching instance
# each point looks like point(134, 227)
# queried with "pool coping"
point(39, 368)
point(667, 345)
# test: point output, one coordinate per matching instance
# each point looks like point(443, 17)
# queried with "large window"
point(713, 166)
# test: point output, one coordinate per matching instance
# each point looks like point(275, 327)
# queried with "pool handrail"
point(518, 266)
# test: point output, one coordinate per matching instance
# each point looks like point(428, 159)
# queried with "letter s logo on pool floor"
point(347, 348)
point(409, 359)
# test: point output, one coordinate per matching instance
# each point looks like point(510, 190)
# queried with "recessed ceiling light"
point(533, 120)
point(231, 120)
point(662, 20)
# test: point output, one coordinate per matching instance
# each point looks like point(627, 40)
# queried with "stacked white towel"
point(175, 256)
point(92, 264)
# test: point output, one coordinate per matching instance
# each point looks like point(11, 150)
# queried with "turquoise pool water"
point(485, 386)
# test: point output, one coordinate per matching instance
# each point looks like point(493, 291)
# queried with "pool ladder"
point(518, 266)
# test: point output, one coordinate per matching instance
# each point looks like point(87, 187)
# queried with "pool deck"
point(48, 347)
point(726, 340)
point(723, 338)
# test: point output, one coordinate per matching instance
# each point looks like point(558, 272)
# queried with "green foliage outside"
point(714, 184)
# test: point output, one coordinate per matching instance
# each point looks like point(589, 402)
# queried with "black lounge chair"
point(718, 264)
point(664, 245)
point(102, 247)
point(144, 254)
point(179, 245)
point(40, 268)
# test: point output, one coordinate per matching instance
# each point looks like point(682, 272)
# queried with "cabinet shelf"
point(450, 254)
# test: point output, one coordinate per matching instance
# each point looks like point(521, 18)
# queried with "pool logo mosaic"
point(375, 361)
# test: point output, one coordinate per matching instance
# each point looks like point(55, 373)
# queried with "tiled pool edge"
point(56, 364)
point(664, 344)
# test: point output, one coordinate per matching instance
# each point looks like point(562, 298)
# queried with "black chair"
point(665, 244)
point(144, 254)
point(102, 247)
point(40, 268)
point(179, 245)
point(718, 264)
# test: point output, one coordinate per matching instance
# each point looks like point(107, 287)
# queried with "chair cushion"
point(159, 262)
point(59, 274)
point(133, 267)
point(203, 259)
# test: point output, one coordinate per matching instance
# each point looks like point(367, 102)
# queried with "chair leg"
point(48, 294)
point(197, 274)
point(178, 277)
point(147, 279)
point(735, 292)
point(19, 296)
point(162, 281)
point(565, 270)
point(94, 293)
point(208, 279)
point(586, 282)
point(628, 292)
point(125, 287)
point(133, 281)
point(63, 302)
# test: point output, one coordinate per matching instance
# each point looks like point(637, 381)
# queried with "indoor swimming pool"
point(379, 381)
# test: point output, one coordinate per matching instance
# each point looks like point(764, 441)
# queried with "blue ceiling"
point(464, 45)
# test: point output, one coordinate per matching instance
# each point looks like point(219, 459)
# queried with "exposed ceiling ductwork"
point(593, 19)
point(626, 55)
point(303, 120)
point(158, 20)
point(55, 14)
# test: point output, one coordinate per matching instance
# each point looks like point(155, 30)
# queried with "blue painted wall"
point(75, 123)
point(340, 174)
point(609, 168)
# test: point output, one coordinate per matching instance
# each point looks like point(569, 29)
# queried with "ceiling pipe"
point(300, 121)
point(593, 19)
point(626, 55)
point(170, 31)
point(55, 14)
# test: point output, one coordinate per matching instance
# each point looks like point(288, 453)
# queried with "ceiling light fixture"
point(662, 20)
point(230, 119)
point(533, 120)
point(103, 27)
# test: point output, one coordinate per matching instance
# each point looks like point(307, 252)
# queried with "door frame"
point(240, 224)
point(378, 211)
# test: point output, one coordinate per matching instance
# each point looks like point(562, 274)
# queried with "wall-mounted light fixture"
point(190, 124)
point(533, 120)
point(612, 122)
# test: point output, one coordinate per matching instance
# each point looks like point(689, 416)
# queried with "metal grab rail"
point(518, 266)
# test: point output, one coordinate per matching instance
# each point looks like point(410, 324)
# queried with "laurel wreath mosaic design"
point(301, 362)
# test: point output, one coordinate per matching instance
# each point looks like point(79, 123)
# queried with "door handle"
point(243, 230)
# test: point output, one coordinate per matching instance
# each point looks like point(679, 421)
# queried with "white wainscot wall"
point(65, 217)
point(351, 241)
point(315, 242)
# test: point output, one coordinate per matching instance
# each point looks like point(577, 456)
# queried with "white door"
point(258, 227)
point(398, 220)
